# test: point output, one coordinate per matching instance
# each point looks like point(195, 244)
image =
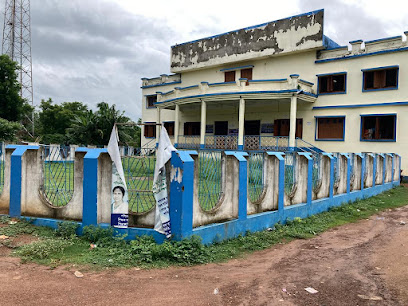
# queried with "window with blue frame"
point(378, 127)
point(380, 78)
point(330, 128)
point(332, 83)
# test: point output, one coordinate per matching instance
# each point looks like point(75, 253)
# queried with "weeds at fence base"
point(98, 248)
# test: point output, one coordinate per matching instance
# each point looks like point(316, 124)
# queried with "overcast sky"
point(98, 50)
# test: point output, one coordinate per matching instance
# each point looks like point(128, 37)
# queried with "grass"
point(98, 249)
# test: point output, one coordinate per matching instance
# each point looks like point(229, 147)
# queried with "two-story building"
point(282, 85)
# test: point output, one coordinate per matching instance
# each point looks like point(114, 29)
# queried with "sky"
point(98, 50)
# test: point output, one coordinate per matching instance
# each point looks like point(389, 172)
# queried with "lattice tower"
point(17, 42)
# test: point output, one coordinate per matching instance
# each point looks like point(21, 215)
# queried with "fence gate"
point(57, 184)
point(256, 183)
point(209, 179)
point(139, 172)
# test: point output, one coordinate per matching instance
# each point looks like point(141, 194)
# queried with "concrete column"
point(176, 124)
point(203, 122)
point(292, 130)
point(293, 110)
point(158, 126)
point(241, 124)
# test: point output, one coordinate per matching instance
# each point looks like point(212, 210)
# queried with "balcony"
point(249, 90)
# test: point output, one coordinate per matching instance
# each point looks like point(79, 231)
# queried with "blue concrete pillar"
point(182, 193)
point(90, 186)
point(16, 175)
point(243, 182)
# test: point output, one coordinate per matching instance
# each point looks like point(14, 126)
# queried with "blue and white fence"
point(213, 194)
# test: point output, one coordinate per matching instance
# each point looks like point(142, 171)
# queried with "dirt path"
point(365, 263)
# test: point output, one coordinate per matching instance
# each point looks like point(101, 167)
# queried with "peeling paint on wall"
point(287, 35)
point(176, 175)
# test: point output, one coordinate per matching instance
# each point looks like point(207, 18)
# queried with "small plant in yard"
point(99, 247)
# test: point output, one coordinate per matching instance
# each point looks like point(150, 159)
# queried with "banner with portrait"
point(119, 194)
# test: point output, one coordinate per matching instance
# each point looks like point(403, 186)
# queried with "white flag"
point(163, 154)
point(120, 206)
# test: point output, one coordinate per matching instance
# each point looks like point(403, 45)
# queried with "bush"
point(43, 249)
point(66, 229)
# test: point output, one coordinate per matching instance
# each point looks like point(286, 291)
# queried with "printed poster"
point(119, 194)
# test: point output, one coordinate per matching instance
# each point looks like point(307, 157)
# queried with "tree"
point(95, 128)
point(12, 106)
point(8, 130)
point(55, 119)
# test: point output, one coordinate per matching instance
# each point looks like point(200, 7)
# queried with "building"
point(282, 85)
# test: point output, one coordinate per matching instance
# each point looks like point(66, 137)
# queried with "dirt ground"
point(364, 263)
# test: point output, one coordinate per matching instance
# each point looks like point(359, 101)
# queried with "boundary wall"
point(344, 178)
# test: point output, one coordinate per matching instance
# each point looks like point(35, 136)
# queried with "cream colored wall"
point(304, 65)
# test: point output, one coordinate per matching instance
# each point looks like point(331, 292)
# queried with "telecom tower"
point(17, 42)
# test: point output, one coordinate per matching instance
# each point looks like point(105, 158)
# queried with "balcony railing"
point(188, 142)
point(223, 142)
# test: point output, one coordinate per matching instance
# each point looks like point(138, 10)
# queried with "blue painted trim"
point(249, 28)
point(378, 140)
point(90, 187)
point(221, 83)
point(240, 147)
point(187, 87)
point(16, 177)
point(257, 222)
point(382, 39)
point(243, 181)
point(360, 55)
point(380, 68)
point(243, 79)
point(237, 68)
point(168, 92)
point(294, 75)
point(307, 82)
point(333, 92)
point(233, 93)
point(267, 80)
point(356, 41)
point(182, 193)
point(362, 105)
point(317, 126)
point(202, 146)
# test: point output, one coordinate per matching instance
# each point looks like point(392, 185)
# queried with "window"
point(281, 127)
point(380, 78)
point(192, 128)
point(150, 130)
point(229, 76)
point(246, 74)
point(170, 128)
point(150, 100)
point(334, 83)
point(330, 128)
point(378, 127)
